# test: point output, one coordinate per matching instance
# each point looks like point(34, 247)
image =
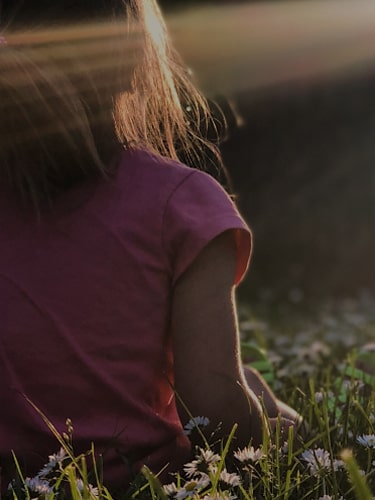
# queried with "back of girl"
point(117, 262)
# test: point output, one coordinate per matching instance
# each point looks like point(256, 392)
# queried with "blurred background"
point(301, 76)
point(296, 80)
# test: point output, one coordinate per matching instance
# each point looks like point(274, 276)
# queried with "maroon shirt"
point(85, 298)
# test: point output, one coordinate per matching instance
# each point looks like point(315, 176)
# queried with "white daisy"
point(89, 487)
point(37, 485)
point(53, 461)
point(337, 464)
point(194, 423)
point(222, 495)
point(192, 468)
point(58, 457)
point(328, 497)
point(209, 456)
point(284, 448)
point(318, 460)
point(230, 478)
point(170, 489)
point(249, 454)
point(320, 395)
point(191, 489)
point(367, 440)
point(319, 398)
point(203, 464)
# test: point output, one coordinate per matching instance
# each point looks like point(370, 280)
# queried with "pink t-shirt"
point(85, 298)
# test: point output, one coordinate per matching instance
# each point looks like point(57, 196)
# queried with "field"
point(318, 358)
point(300, 75)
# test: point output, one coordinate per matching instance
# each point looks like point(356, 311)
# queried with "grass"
point(314, 352)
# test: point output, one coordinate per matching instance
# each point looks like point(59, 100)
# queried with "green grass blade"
point(361, 489)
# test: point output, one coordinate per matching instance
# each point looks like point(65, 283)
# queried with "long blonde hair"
point(61, 119)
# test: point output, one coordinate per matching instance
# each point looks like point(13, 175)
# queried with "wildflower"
point(53, 461)
point(320, 348)
point(37, 485)
point(192, 469)
point(183, 493)
point(337, 464)
point(317, 460)
point(222, 495)
point(203, 464)
point(284, 448)
point(170, 489)
point(191, 489)
point(94, 492)
point(194, 423)
point(319, 396)
point(367, 440)
point(328, 497)
point(230, 478)
point(312, 353)
point(249, 454)
point(209, 456)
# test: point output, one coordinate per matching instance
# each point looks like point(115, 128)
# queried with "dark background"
point(303, 169)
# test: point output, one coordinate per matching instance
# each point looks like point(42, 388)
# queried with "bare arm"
point(208, 373)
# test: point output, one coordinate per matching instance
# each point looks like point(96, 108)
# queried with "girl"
point(117, 262)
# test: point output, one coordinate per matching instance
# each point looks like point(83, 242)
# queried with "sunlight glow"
point(98, 48)
point(241, 46)
point(231, 48)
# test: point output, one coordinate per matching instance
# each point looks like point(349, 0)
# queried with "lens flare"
point(242, 46)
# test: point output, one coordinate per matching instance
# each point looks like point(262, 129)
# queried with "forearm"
point(272, 406)
point(208, 372)
point(225, 401)
point(261, 390)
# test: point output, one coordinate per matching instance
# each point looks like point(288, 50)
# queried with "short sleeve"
point(197, 211)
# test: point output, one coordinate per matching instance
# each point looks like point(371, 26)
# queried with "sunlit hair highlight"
point(163, 109)
point(61, 119)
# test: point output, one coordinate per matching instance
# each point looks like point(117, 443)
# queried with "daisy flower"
point(191, 488)
point(195, 422)
point(284, 448)
point(53, 461)
point(222, 495)
point(195, 468)
point(230, 479)
point(38, 485)
point(209, 456)
point(203, 464)
point(367, 440)
point(170, 489)
point(320, 395)
point(328, 497)
point(89, 487)
point(249, 455)
point(317, 460)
